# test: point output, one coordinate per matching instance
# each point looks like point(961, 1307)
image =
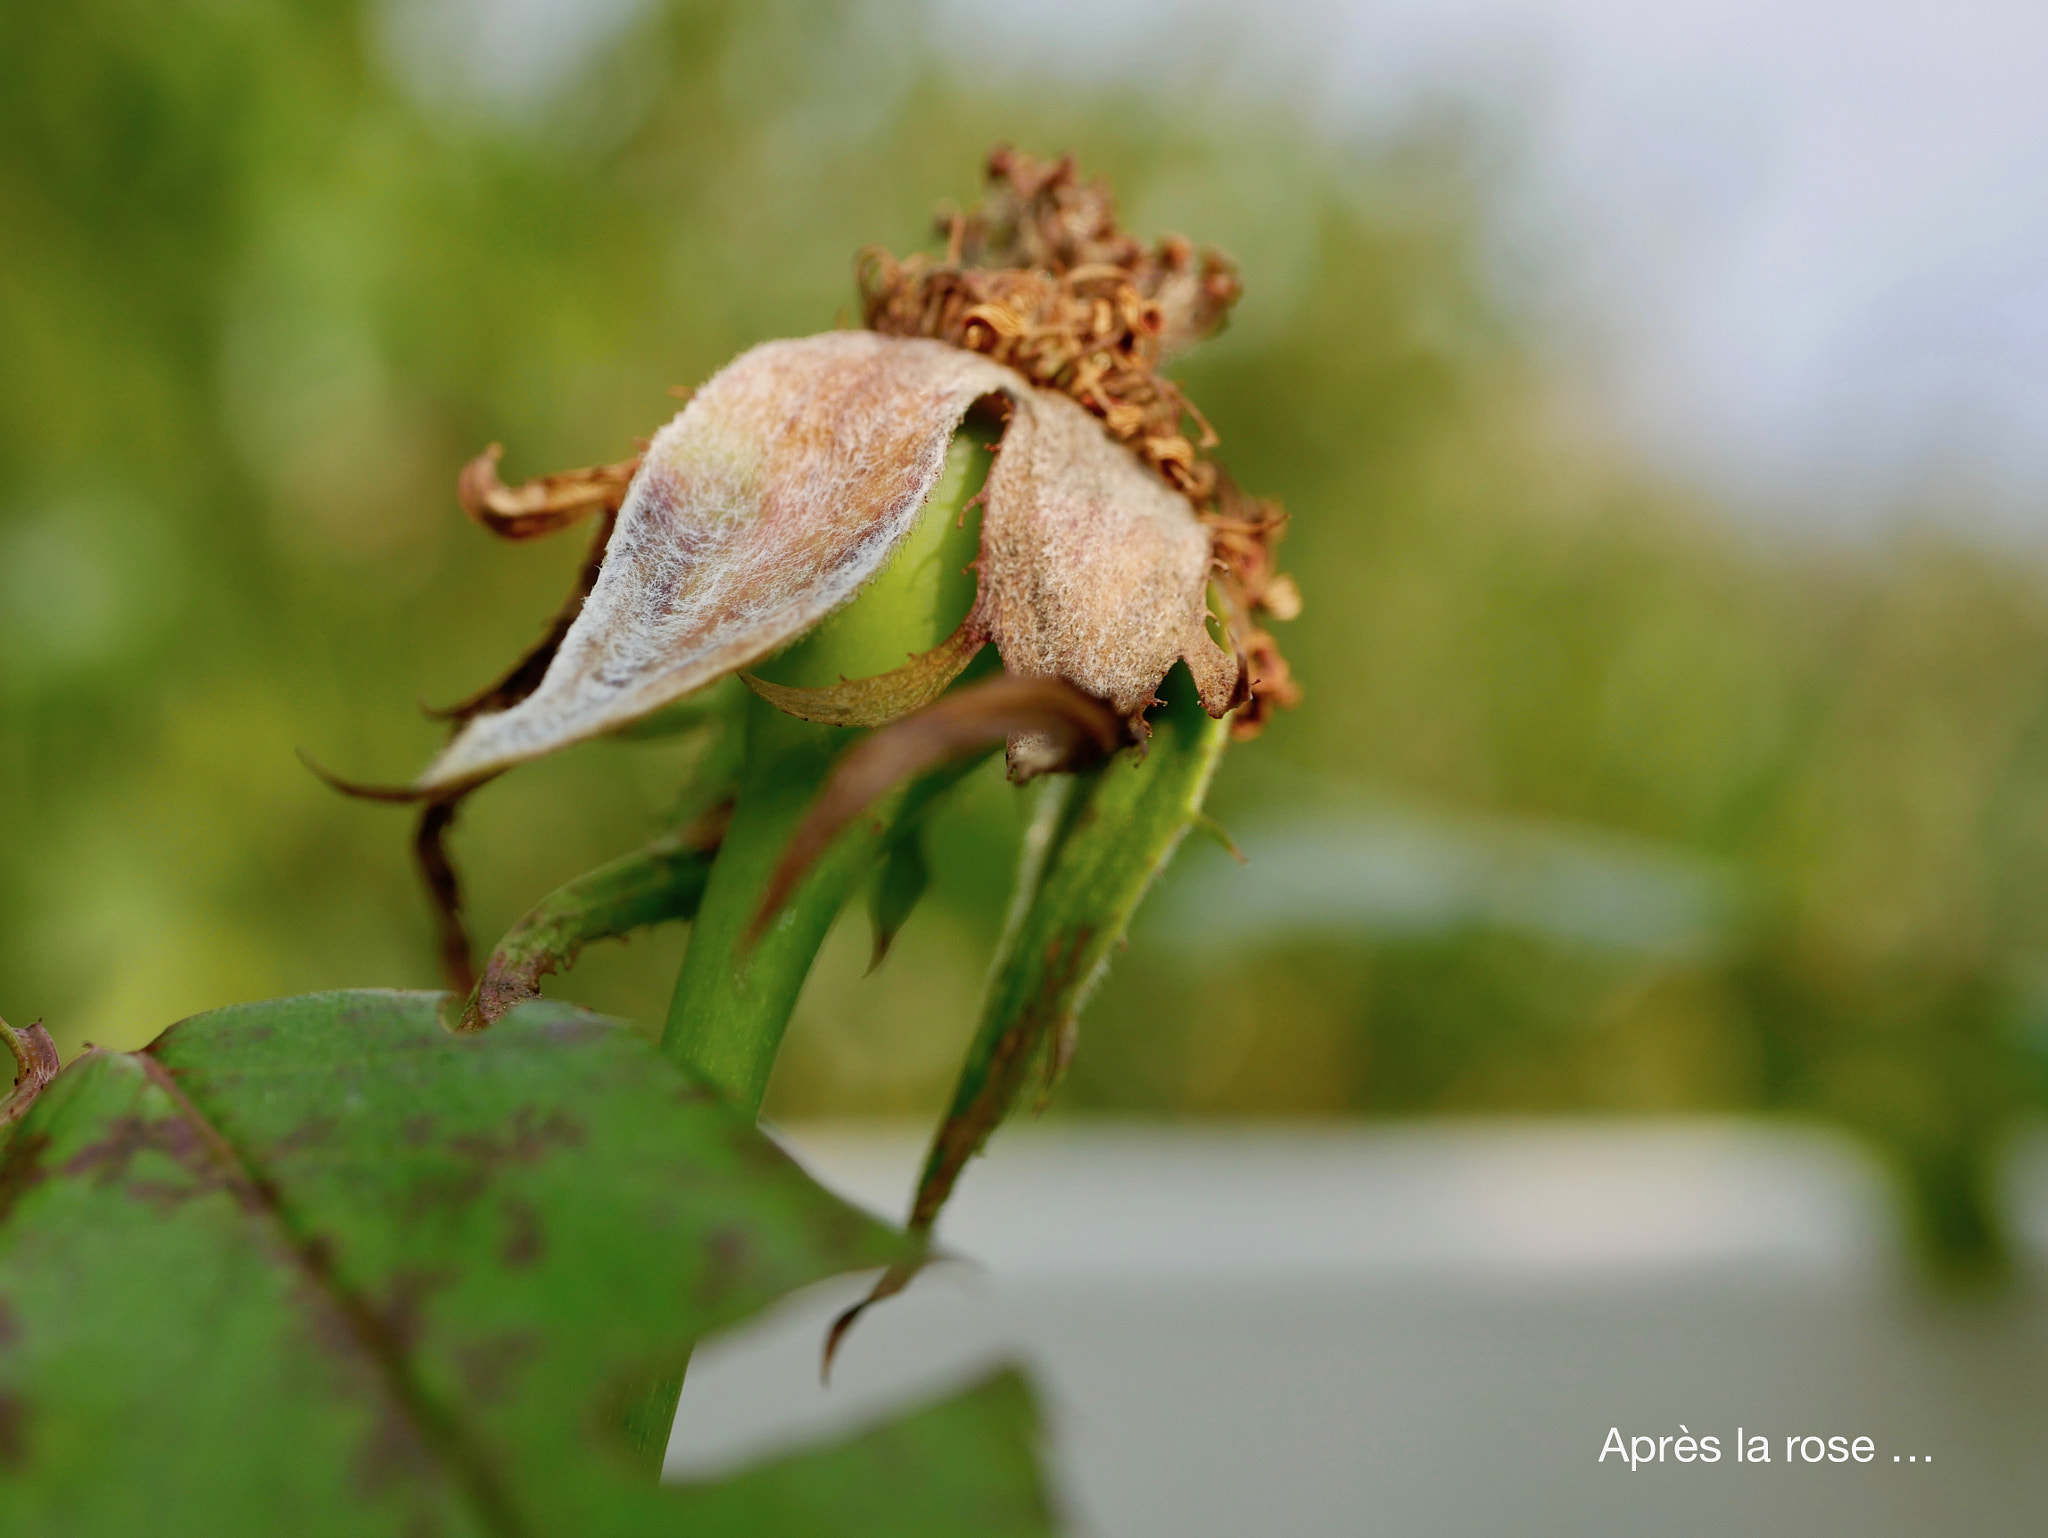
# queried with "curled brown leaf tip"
point(541, 506)
point(35, 1064)
point(1073, 727)
point(1040, 277)
point(662, 881)
point(891, 1282)
point(358, 788)
point(884, 698)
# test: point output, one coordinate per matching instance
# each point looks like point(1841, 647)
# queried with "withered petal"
point(787, 483)
point(1092, 568)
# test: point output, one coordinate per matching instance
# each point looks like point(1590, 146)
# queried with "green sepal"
point(1099, 840)
point(899, 885)
point(657, 884)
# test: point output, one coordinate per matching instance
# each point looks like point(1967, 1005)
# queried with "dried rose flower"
point(792, 476)
point(809, 491)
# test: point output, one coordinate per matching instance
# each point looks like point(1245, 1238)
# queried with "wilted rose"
point(792, 476)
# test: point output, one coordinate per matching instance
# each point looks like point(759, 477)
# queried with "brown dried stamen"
point(1243, 534)
point(1041, 278)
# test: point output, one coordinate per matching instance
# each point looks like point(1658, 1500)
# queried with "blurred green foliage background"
point(1601, 799)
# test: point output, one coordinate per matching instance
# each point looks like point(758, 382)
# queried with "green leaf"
point(949, 1472)
point(318, 1266)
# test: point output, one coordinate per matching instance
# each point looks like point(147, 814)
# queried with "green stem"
point(732, 1002)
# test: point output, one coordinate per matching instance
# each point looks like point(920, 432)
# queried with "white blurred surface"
point(1418, 1331)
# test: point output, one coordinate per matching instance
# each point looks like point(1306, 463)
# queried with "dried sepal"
point(541, 506)
point(883, 698)
point(1092, 568)
point(528, 511)
point(790, 479)
point(963, 723)
point(35, 1064)
point(538, 507)
point(763, 506)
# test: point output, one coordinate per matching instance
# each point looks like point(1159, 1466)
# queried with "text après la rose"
point(1744, 1447)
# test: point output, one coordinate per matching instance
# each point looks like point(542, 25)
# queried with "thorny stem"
point(733, 1000)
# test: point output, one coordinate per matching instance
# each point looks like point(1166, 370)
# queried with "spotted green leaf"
point(319, 1266)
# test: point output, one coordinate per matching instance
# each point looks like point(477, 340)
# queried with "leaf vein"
point(437, 1430)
